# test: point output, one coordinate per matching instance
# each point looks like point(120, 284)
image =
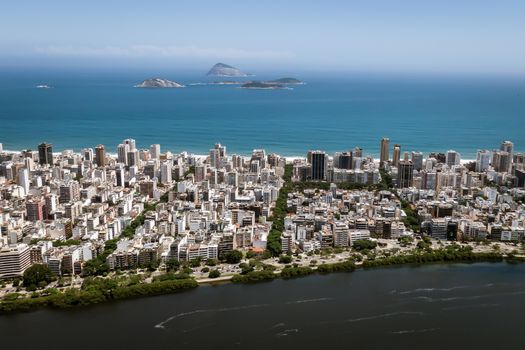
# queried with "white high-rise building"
point(29, 163)
point(88, 154)
point(14, 260)
point(1, 147)
point(23, 179)
point(131, 143)
point(483, 160)
point(165, 173)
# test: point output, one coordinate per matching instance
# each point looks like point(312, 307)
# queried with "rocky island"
point(262, 85)
point(287, 81)
point(224, 70)
point(159, 83)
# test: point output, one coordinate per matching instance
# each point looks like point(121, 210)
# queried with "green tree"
point(172, 264)
point(364, 244)
point(233, 257)
point(285, 259)
point(214, 274)
point(211, 262)
point(37, 275)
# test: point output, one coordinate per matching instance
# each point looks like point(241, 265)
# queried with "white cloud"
point(161, 51)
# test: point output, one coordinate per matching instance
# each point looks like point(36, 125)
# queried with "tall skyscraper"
point(200, 172)
point(319, 162)
point(452, 158)
point(396, 155)
point(357, 152)
point(501, 161)
point(345, 160)
point(483, 160)
point(508, 147)
point(405, 173)
point(215, 157)
point(154, 151)
point(23, 179)
point(165, 172)
point(88, 154)
point(133, 158)
point(122, 153)
point(120, 174)
point(417, 160)
point(385, 151)
point(131, 143)
point(45, 153)
point(100, 153)
point(35, 209)
point(222, 149)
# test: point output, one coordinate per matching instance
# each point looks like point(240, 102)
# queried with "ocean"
point(331, 112)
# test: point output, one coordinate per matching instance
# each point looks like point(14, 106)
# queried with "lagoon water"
point(456, 306)
point(331, 112)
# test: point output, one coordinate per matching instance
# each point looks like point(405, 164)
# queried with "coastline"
point(72, 298)
point(288, 158)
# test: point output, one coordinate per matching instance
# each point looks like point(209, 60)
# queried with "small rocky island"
point(262, 85)
point(159, 83)
point(224, 70)
point(287, 81)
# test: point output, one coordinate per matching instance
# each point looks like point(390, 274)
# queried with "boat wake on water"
point(201, 311)
point(391, 314)
point(412, 331)
point(426, 290)
point(308, 301)
point(162, 325)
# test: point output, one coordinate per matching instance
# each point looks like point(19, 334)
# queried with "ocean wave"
point(391, 314)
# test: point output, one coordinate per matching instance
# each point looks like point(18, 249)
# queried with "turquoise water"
point(333, 113)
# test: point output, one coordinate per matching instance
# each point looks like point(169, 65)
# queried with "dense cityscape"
point(156, 216)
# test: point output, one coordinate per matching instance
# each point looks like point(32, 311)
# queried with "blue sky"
point(372, 35)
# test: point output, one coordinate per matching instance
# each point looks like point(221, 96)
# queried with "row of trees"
point(449, 254)
point(96, 290)
point(273, 244)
